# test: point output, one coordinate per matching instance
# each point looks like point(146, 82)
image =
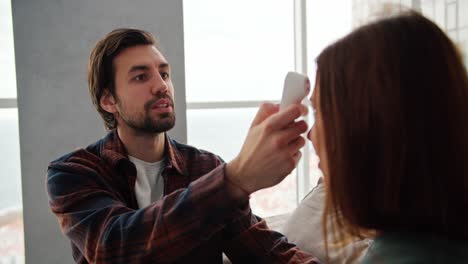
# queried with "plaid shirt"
point(91, 191)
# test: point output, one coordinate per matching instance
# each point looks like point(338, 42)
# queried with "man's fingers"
point(284, 118)
point(292, 162)
point(265, 110)
point(295, 145)
point(293, 131)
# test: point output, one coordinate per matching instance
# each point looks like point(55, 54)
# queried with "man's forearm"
point(259, 244)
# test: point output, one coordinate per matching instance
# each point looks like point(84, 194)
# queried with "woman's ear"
point(108, 102)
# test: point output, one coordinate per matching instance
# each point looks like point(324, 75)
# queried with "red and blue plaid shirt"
point(91, 191)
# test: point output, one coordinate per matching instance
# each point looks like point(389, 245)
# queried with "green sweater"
point(407, 248)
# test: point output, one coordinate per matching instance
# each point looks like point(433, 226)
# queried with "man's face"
point(144, 98)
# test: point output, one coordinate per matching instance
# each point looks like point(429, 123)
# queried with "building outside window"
point(450, 15)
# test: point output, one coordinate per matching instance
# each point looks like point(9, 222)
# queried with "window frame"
point(300, 65)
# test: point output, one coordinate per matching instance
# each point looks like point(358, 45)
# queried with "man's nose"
point(159, 85)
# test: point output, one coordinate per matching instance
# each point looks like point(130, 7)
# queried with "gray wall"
point(53, 39)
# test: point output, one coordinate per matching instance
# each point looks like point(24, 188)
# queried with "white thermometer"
point(296, 87)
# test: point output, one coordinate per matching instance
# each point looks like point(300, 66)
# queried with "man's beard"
point(147, 125)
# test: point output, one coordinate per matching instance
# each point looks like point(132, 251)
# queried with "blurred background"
point(227, 57)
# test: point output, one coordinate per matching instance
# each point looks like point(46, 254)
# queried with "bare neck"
point(143, 146)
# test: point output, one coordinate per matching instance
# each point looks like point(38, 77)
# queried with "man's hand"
point(271, 149)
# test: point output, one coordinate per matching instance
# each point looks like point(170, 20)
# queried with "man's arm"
point(257, 243)
point(106, 231)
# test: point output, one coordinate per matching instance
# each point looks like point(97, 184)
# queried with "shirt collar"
point(114, 152)
point(174, 156)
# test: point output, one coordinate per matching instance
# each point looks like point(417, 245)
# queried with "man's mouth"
point(163, 105)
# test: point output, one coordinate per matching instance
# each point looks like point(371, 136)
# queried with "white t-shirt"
point(149, 185)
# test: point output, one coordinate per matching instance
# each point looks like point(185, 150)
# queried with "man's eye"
point(140, 77)
point(165, 75)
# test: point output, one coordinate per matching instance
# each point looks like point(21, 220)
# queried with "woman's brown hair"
point(394, 102)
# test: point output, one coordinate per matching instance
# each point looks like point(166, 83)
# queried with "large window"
point(238, 52)
point(11, 217)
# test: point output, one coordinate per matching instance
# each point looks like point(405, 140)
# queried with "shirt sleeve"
point(249, 240)
point(105, 230)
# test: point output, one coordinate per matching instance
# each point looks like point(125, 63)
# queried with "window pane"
point(455, 27)
point(368, 10)
point(439, 13)
point(326, 24)
point(463, 13)
point(222, 131)
point(451, 16)
point(7, 57)
point(237, 50)
point(11, 218)
point(428, 8)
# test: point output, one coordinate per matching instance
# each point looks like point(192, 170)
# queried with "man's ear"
point(108, 102)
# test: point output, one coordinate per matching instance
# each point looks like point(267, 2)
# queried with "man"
point(137, 196)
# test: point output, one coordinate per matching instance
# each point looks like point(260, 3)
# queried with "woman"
point(391, 131)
